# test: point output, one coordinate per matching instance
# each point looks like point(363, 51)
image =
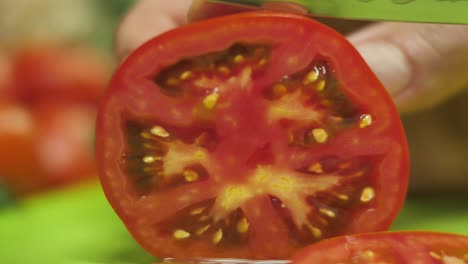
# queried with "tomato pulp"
point(249, 136)
point(393, 247)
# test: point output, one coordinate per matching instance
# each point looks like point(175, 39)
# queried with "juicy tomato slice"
point(249, 136)
point(388, 248)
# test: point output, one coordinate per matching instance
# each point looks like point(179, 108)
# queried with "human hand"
point(421, 65)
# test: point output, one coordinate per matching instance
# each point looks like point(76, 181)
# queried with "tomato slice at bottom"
point(249, 136)
point(389, 248)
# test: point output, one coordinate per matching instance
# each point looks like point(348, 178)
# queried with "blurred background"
point(55, 61)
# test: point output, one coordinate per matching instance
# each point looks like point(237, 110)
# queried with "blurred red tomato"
point(55, 71)
point(47, 124)
point(18, 161)
point(65, 141)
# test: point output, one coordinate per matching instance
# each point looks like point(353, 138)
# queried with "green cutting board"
point(78, 226)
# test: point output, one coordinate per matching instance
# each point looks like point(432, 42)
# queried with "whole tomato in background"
point(47, 115)
point(60, 72)
point(19, 166)
point(65, 138)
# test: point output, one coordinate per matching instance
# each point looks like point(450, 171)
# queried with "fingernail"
point(389, 64)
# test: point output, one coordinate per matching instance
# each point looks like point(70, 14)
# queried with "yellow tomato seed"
point(218, 235)
point(320, 135)
point(159, 131)
point(367, 194)
point(181, 234)
point(210, 100)
point(243, 225)
point(311, 77)
point(366, 120)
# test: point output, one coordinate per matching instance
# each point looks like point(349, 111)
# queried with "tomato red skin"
point(65, 144)
point(408, 247)
point(59, 71)
point(57, 87)
point(49, 145)
point(191, 40)
point(17, 135)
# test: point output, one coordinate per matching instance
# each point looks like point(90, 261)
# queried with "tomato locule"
point(249, 136)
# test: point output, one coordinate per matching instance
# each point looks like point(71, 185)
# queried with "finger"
point(421, 65)
point(146, 19)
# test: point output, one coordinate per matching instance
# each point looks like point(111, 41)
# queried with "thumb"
point(421, 65)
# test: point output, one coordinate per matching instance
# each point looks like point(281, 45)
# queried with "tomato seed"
point(202, 230)
point(210, 100)
point(327, 212)
point(218, 236)
point(243, 225)
point(159, 131)
point(342, 197)
point(185, 75)
point(197, 211)
point(173, 81)
point(279, 90)
point(150, 159)
point(316, 232)
point(180, 234)
point(311, 77)
point(239, 58)
point(320, 86)
point(320, 135)
point(190, 175)
point(368, 255)
point(316, 167)
point(367, 194)
point(366, 120)
point(435, 255)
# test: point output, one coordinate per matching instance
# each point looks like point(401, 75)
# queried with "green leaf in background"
point(78, 226)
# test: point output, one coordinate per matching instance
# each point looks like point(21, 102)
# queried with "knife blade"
point(424, 11)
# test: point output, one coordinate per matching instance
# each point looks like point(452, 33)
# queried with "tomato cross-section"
point(249, 136)
point(389, 248)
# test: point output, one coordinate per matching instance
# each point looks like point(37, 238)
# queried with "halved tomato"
point(388, 248)
point(249, 136)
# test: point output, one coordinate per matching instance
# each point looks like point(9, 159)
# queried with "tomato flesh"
point(388, 248)
point(252, 146)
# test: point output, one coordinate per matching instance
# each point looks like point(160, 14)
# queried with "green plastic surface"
point(78, 226)
point(433, 11)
